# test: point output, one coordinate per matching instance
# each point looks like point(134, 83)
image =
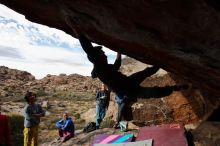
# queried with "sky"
point(39, 49)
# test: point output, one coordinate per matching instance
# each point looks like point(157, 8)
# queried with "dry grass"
point(17, 122)
point(75, 106)
point(47, 136)
point(75, 103)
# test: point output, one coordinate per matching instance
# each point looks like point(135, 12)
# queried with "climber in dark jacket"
point(120, 84)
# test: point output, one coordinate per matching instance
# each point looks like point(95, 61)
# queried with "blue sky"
point(40, 50)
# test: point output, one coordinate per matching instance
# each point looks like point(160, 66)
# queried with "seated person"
point(66, 128)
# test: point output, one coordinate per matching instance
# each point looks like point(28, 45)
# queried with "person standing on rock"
point(121, 103)
point(102, 103)
point(66, 128)
point(32, 114)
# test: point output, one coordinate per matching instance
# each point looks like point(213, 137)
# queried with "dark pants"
point(100, 114)
point(65, 135)
point(121, 107)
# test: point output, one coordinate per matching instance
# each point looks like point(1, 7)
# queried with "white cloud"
point(6, 12)
point(41, 70)
point(39, 49)
point(41, 61)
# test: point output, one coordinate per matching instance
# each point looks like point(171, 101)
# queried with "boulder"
point(181, 36)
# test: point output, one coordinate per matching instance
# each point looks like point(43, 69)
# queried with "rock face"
point(189, 106)
point(180, 36)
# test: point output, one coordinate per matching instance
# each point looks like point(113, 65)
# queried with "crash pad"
point(137, 143)
point(164, 135)
point(106, 138)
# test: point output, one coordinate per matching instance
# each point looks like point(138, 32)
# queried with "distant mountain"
point(14, 83)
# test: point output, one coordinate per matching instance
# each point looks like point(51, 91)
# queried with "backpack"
point(91, 126)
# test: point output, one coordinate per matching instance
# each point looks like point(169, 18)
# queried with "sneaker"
point(58, 139)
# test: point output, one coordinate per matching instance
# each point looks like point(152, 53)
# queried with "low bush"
point(17, 126)
point(107, 123)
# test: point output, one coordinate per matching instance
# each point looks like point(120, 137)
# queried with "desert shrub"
point(77, 116)
point(55, 95)
point(49, 122)
point(107, 123)
point(17, 126)
point(41, 92)
point(49, 126)
point(47, 136)
point(19, 94)
point(79, 121)
point(73, 95)
point(79, 126)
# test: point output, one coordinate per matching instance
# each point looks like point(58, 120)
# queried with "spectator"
point(121, 103)
point(102, 103)
point(66, 128)
point(32, 114)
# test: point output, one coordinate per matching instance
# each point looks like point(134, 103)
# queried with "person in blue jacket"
point(66, 128)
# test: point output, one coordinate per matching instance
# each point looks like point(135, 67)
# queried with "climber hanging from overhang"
point(110, 75)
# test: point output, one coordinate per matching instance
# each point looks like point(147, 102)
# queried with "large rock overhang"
point(182, 37)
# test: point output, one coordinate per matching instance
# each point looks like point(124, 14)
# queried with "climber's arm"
point(117, 63)
point(84, 41)
point(141, 75)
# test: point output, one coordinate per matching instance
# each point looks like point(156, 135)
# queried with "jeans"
point(100, 114)
point(120, 111)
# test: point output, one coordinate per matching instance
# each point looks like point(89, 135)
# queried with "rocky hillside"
point(15, 83)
